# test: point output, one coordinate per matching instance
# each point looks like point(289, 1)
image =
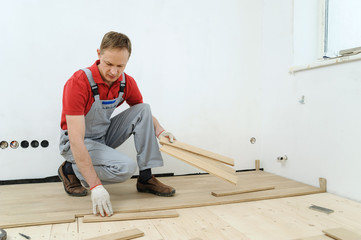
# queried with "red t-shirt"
point(78, 97)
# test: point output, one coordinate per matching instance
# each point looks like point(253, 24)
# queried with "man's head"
point(114, 53)
point(115, 40)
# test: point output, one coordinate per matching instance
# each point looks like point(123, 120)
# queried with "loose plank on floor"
point(124, 235)
point(131, 216)
point(318, 237)
point(227, 193)
point(342, 234)
point(11, 221)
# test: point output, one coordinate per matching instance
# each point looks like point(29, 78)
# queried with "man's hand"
point(168, 135)
point(101, 201)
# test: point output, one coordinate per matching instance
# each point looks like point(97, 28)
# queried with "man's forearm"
point(157, 127)
point(84, 163)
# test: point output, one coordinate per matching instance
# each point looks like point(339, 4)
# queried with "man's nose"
point(114, 71)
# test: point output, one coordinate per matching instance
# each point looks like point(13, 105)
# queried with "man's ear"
point(98, 51)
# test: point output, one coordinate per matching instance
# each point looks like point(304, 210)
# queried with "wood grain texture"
point(199, 163)
point(323, 184)
point(20, 202)
point(215, 163)
point(275, 219)
point(318, 237)
point(196, 150)
point(342, 234)
point(131, 216)
point(22, 220)
point(227, 193)
point(257, 165)
point(124, 235)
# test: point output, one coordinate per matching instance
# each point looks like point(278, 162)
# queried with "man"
point(89, 135)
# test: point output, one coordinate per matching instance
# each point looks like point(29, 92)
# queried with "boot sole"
point(156, 193)
point(71, 194)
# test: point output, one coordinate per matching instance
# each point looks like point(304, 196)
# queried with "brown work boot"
point(71, 183)
point(156, 187)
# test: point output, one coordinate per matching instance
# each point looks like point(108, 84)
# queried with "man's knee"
point(132, 167)
point(127, 172)
point(117, 173)
point(142, 107)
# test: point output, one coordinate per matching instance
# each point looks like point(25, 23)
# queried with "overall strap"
point(122, 84)
point(122, 87)
point(93, 85)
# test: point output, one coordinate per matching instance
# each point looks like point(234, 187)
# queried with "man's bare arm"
point(160, 132)
point(76, 131)
point(157, 127)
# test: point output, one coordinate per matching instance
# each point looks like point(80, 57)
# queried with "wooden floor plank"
point(318, 237)
point(123, 235)
point(131, 216)
point(201, 224)
point(199, 163)
point(22, 220)
point(215, 163)
point(196, 150)
point(275, 219)
point(227, 193)
point(192, 191)
point(88, 230)
point(342, 234)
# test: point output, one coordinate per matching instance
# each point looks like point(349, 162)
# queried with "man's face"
point(112, 64)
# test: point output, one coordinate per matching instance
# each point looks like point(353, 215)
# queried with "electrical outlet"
point(282, 158)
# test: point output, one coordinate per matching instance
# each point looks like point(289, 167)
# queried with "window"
point(342, 34)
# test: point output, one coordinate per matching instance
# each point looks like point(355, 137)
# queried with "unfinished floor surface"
point(274, 219)
point(35, 204)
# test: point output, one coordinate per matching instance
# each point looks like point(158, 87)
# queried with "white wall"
point(214, 72)
point(196, 63)
point(321, 137)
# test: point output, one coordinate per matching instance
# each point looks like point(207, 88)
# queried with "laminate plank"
point(131, 216)
point(89, 230)
point(227, 193)
point(196, 150)
point(11, 221)
point(124, 235)
point(20, 201)
point(275, 219)
point(199, 163)
point(342, 234)
point(318, 237)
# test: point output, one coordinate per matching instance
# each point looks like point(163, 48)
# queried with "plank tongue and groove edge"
point(124, 235)
point(318, 237)
point(12, 221)
point(131, 216)
point(196, 150)
point(199, 163)
point(342, 234)
point(227, 193)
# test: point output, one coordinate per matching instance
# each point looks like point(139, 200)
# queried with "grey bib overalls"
point(103, 134)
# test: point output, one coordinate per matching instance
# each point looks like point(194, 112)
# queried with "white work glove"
point(101, 201)
point(168, 135)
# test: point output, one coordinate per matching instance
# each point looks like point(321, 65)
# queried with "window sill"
point(325, 62)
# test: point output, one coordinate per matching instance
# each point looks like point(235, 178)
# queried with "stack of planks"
point(207, 161)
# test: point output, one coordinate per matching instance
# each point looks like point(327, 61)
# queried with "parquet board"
point(342, 234)
point(131, 216)
point(198, 151)
point(30, 200)
point(123, 235)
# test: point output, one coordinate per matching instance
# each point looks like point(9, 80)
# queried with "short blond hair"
point(115, 40)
